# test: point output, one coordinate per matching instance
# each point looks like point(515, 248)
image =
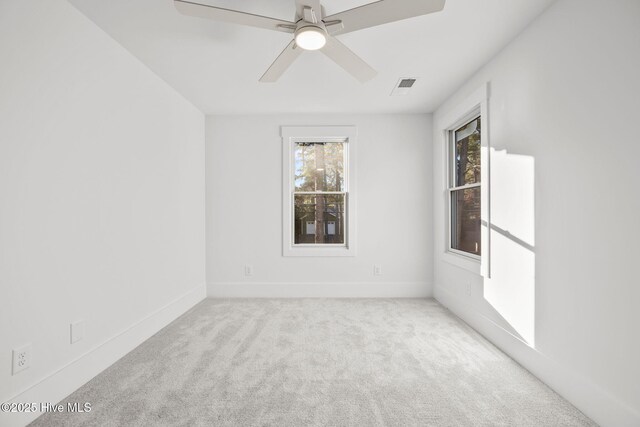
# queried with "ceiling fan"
point(314, 31)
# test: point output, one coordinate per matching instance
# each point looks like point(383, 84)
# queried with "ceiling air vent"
point(403, 86)
point(406, 82)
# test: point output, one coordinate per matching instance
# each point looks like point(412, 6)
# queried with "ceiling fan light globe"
point(311, 38)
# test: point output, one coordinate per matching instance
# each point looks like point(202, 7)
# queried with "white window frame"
point(292, 135)
point(476, 105)
point(451, 187)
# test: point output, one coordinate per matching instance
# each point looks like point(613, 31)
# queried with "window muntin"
point(319, 194)
point(464, 189)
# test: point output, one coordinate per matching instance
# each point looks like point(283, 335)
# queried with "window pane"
point(319, 166)
point(319, 219)
point(465, 220)
point(467, 154)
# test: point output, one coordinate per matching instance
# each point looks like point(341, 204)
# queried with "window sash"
point(450, 248)
point(345, 220)
point(452, 152)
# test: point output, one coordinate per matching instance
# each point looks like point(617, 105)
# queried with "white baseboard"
point(595, 402)
point(59, 384)
point(319, 290)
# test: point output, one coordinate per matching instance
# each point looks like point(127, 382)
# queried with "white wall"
point(102, 199)
point(244, 208)
point(563, 113)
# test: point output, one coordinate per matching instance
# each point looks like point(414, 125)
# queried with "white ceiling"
point(217, 66)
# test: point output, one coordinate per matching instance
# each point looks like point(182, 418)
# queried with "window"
point(318, 191)
point(319, 195)
point(465, 188)
point(466, 157)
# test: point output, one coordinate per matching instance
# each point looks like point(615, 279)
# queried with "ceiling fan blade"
point(344, 57)
point(282, 62)
point(233, 16)
point(382, 12)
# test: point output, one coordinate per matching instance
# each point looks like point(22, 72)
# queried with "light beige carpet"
point(317, 362)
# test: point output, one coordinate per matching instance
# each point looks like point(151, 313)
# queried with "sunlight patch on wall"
point(511, 288)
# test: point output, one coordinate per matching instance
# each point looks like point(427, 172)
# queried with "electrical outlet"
point(377, 270)
point(76, 331)
point(21, 358)
point(248, 270)
point(467, 289)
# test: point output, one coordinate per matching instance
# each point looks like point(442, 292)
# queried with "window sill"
point(461, 261)
point(307, 251)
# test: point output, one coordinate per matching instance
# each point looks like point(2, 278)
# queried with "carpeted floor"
point(317, 362)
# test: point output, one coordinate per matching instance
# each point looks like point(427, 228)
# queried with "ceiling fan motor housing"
point(310, 36)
